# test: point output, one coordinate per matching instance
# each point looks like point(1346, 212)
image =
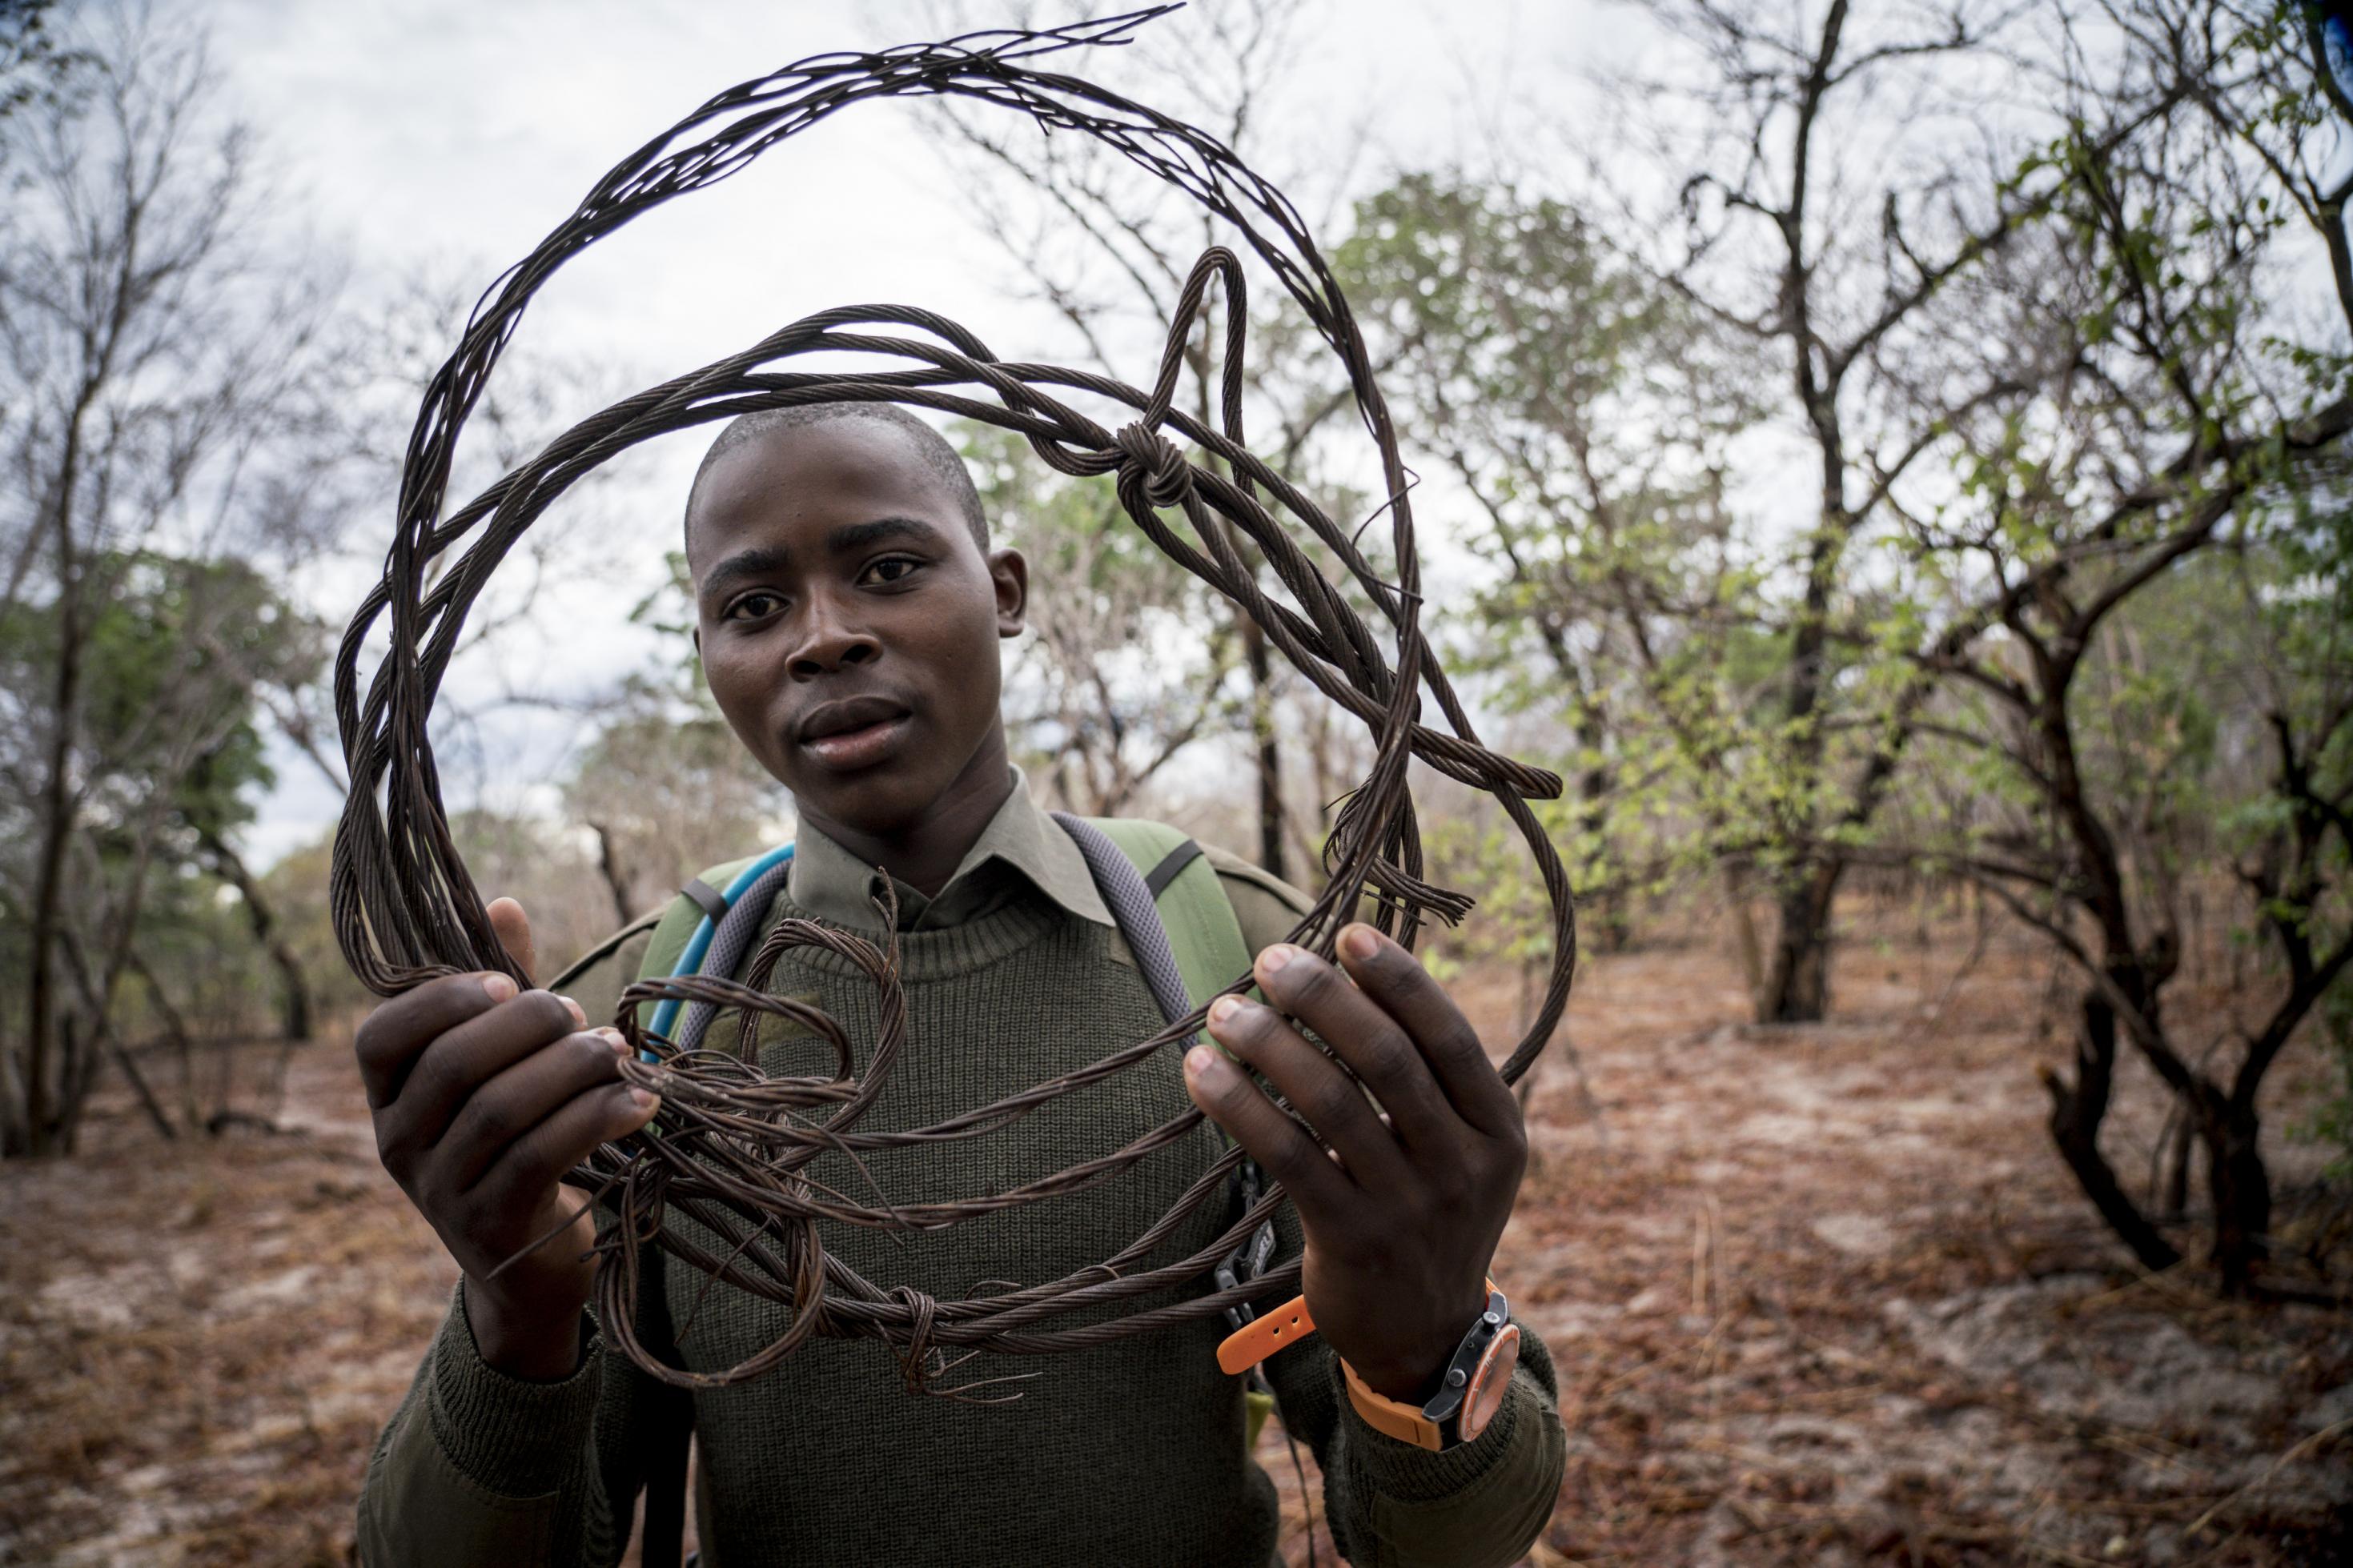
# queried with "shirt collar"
point(1020, 845)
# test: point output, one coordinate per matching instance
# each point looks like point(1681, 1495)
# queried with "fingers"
point(541, 1157)
point(1396, 981)
point(513, 927)
point(511, 1105)
point(393, 1036)
point(1377, 1048)
point(1280, 1146)
point(466, 1058)
point(1315, 1085)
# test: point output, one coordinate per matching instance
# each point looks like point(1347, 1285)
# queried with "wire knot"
point(1154, 462)
point(920, 1311)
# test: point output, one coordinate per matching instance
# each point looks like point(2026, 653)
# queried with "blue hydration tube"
point(690, 962)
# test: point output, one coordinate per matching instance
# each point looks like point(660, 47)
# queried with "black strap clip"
point(1248, 1260)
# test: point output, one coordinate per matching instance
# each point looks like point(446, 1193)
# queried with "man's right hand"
point(483, 1099)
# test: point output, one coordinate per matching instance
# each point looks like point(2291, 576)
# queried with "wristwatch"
point(1470, 1390)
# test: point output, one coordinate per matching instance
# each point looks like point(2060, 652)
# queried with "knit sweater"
point(1131, 1453)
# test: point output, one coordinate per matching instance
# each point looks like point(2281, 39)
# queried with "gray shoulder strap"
point(730, 943)
point(1134, 910)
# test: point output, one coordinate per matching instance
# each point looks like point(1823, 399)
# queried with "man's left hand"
point(1402, 1205)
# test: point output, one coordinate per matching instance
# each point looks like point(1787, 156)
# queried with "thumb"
point(513, 927)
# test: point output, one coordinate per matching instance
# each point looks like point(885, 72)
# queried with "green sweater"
point(1130, 1454)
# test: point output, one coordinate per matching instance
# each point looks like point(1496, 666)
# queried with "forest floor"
point(1818, 1295)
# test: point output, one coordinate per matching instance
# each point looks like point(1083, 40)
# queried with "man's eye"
point(753, 606)
point(891, 569)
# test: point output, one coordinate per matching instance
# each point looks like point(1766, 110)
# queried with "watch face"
point(1489, 1384)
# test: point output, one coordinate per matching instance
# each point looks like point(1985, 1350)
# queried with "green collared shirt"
point(1020, 842)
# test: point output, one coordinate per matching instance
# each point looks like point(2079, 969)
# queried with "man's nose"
point(829, 641)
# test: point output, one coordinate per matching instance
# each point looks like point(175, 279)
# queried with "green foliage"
point(1632, 614)
point(172, 651)
point(169, 748)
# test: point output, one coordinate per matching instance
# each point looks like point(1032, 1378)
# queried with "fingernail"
point(1223, 1008)
point(645, 1099)
point(1275, 957)
point(498, 987)
point(1360, 941)
point(613, 1038)
point(579, 1013)
point(1200, 1062)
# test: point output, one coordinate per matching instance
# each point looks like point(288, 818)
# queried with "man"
point(849, 606)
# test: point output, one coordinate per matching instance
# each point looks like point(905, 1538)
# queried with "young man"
point(849, 607)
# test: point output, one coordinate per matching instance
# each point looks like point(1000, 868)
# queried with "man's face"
point(849, 621)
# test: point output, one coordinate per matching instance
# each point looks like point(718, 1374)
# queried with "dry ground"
point(1818, 1295)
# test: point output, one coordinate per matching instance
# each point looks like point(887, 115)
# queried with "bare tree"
point(155, 357)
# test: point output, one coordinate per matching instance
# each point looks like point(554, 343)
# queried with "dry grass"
point(1818, 1295)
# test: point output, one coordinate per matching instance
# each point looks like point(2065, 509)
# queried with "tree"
point(663, 785)
point(2183, 485)
point(1838, 180)
point(166, 756)
point(1590, 413)
point(156, 365)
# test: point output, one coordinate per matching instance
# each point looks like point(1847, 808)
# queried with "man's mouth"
point(854, 732)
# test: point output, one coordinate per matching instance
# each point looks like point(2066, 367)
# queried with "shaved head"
point(924, 444)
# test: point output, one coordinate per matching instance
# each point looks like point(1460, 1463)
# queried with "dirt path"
point(1818, 1295)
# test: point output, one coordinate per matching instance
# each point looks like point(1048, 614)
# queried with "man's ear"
point(1009, 571)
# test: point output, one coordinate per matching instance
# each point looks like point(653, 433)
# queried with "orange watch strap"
point(1406, 1422)
point(1271, 1331)
point(1391, 1417)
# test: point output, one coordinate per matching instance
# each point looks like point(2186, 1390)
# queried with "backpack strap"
point(683, 937)
point(1200, 929)
point(1204, 933)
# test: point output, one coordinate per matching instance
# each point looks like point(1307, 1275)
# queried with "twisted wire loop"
point(731, 1150)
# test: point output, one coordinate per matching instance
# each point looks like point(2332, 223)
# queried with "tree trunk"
point(1743, 927)
point(1797, 986)
point(56, 818)
point(294, 1013)
point(609, 866)
point(2076, 1111)
point(100, 1004)
point(2180, 1143)
point(2240, 1187)
point(57, 800)
point(1270, 856)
